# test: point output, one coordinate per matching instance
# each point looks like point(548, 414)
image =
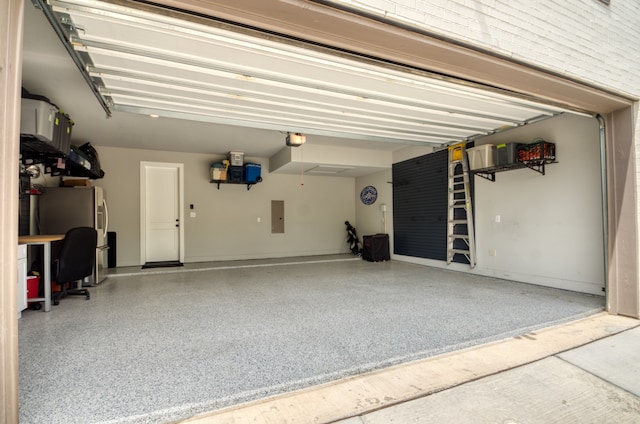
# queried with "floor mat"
point(162, 264)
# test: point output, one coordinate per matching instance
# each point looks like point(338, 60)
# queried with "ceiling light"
point(295, 139)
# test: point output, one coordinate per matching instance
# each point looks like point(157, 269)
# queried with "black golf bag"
point(352, 238)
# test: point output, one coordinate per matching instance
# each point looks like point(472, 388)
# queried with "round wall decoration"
point(368, 195)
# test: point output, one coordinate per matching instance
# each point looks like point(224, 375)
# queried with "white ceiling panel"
point(147, 60)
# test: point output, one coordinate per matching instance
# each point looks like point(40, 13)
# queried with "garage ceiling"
point(146, 60)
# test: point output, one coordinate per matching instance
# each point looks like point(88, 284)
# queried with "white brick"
point(409, 4)
point(582, 38)
point(411, 14)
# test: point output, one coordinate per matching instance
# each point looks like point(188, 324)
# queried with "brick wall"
point(584, 39)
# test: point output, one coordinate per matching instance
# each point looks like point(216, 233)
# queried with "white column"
point(11, 24)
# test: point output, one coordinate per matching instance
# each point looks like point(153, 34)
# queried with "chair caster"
point(35, 306)
point(88, 297)
point(56, 302)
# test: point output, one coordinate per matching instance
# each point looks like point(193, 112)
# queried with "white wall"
point(225, 226)
point(550, 230)
point(369, 218)
point(550, 227)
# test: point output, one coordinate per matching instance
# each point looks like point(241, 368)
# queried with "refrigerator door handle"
point(106, 218)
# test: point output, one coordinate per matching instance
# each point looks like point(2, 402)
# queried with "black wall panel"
point(420, 190)
point(420, 206)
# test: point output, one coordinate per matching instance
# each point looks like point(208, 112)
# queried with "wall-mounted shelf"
point(248, 174)
point(218, 182)
point(535, 165)
point(36, 152)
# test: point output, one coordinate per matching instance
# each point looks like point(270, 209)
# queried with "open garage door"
point(150, 60)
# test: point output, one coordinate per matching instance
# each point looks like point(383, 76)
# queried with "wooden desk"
point(44, 240)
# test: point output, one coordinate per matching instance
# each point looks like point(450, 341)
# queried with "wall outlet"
point(259, 219)
point(498, 218)
point(192, 214)
point(492, 252)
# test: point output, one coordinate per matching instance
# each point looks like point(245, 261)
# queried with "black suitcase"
point(375, 248)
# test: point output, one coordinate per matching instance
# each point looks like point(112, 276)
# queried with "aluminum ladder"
point(460, 213)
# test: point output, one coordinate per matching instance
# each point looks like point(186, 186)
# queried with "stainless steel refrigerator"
point(62, 208)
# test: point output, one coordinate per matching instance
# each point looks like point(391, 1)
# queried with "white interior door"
point(161, 212)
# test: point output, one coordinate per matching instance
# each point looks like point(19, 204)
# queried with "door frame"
point(12, 23)
point(143, 206)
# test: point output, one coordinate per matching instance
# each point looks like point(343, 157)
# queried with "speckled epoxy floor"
point(165, 344)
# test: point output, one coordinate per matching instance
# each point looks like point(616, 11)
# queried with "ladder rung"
point(457, 191)
point(458, 236)
point(458, 221)
point(460, 251)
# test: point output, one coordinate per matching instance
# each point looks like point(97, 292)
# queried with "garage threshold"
point(349, 398)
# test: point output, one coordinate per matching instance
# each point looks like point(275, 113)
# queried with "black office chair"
point(74, 262)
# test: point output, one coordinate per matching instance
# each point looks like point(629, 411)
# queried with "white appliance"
point(62, 208)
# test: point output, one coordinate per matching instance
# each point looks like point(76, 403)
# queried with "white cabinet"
point(22, 278)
